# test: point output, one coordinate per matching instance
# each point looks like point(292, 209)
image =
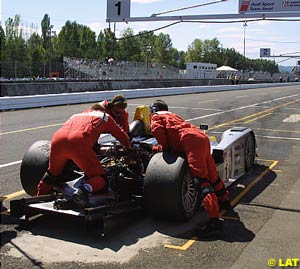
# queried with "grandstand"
point(117, 70)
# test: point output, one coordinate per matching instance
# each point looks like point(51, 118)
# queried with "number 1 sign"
point(118, 9)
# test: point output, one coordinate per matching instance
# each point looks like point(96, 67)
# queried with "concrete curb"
point(32, 101)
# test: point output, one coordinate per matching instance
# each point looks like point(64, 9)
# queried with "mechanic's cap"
point(158, 105)
point(118, 100)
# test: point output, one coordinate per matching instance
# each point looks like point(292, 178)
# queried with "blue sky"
point(280, 37)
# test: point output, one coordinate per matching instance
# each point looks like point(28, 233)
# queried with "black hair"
point(158, 105)
point(118, 100)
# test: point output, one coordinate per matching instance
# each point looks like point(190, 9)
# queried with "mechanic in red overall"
point(175, 134)
point(74, 141)
point(117, 109)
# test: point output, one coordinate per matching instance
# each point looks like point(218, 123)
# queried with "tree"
point(46, 27)
point(36, 55)
point(106, 43)
point(87, 42)
point(129, 47)
point(195, 51)
point(146, 42)
point(15, 48)
point(2, 43)
point(162, 49)
point(68, 40)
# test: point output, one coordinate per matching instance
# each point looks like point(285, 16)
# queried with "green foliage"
point(38, 53)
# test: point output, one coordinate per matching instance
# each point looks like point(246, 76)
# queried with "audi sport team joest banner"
point(263, 6)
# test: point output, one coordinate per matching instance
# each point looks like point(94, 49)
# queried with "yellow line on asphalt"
point(262, 116)
point(230, 218)
point(234, 202)
point(252, 115)
point(30, 129)
point(13, 195)
point(185, 246)
point(250, 186)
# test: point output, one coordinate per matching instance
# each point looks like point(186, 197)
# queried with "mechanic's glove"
point(46, 184)
point(200, 183)
point(43, 188)
point(157, 148)
point(206, 190)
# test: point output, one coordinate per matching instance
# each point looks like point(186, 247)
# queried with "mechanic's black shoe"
point(64, 204)
point(213, 229)
point(81, 198)
point(226, 205)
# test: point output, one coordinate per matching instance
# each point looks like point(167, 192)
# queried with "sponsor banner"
point(265, 6)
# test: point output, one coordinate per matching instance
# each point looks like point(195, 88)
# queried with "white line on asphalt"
point(264, 136)
point(206, 116)
point(195, 108)
point(241, 96)
point(278, 137)
point(240, 108)
point(9, 164)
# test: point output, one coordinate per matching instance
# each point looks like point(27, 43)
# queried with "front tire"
point(169, 191)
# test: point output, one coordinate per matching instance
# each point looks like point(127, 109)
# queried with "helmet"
point(118, 100)
point(158, 105)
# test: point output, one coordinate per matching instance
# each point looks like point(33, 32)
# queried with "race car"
point(138, 179)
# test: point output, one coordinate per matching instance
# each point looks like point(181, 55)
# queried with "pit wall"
point(23, 88)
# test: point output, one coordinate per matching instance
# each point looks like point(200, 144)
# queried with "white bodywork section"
point(232, 147)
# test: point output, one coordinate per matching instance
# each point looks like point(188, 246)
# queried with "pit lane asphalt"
point(264, 224)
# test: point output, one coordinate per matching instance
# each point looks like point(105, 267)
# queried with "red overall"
point(122, 120)
point(174, 133)
point(75, 140)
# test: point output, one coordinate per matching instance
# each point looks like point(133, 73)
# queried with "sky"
point(281, 37)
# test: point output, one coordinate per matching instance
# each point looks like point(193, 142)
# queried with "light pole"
point(148, 50)
point(49, 34)
point(244, 64)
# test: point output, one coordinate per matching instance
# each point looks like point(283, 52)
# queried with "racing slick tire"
point(34, 165)
point(250, 152)
point(169, 191)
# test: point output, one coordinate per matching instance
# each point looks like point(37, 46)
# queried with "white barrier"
point(18, 102)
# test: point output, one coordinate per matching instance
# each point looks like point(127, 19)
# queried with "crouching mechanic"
point(74, 141)
point(175, 134)
point(117, 109)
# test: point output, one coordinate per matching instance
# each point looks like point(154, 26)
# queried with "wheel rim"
point(250, 152)
point(189, 194)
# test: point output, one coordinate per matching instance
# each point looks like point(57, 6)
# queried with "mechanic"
point(117, 109)
point(175, 134)
point(74, 141)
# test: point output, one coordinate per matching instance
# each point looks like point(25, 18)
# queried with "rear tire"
point(34, 165)
point(250, 152)
point(168, 188)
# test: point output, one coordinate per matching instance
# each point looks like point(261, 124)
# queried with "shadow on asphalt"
point(129, 230)
point(260, 186)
